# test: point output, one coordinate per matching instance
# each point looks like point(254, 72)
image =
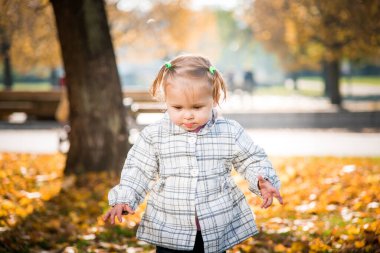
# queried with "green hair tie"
point(168, 65)
point(212, 69)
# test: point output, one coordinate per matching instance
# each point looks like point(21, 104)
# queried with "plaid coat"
point(188, 174)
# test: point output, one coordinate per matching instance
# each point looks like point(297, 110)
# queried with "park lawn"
point(331, 205)
point(355, 80)
point(276, 89)
point(281, 90)
point(24, 86)
point(364, 80)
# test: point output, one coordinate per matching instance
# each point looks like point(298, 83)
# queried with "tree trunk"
point(98, 136)
point(54, 78)
point(332, 76)
point(294, 77)
point(7, 71)
point(326, 92)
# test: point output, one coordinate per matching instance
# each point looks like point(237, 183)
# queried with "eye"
point(197, 107)
point(177, 107)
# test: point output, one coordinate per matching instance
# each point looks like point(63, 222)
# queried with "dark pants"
point(198, 247)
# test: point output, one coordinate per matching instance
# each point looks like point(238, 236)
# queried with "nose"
point(188, 115)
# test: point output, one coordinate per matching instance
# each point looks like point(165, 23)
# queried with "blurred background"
point(303, 78)
point(287, 64)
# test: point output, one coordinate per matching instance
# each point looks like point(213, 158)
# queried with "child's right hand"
point(117, 210)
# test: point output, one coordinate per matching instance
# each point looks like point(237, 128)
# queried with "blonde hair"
point(189, 66)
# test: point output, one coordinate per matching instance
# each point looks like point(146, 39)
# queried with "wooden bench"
point(43, 104)
point(39, 104)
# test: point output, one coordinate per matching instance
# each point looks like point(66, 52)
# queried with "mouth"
point(189, 125)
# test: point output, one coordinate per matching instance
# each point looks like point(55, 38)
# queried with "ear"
point(214, 104)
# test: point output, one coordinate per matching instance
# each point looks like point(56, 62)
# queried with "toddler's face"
point(189, 102)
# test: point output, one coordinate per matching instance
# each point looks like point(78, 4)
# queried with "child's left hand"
point(268, 192)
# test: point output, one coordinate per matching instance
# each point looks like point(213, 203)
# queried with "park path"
point(279, 142)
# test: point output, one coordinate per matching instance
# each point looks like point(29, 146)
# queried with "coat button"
point(192, 140)
point(194, 172)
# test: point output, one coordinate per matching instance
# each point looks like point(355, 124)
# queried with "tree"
point(8, 23)
point(98, 137)
point(279, 35)
point(162, 31)
point(27, 37)
point(313, 31)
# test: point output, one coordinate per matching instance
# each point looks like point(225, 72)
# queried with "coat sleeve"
point(139, 171)
point(250, 161)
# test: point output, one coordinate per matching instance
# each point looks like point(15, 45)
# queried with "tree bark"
point(54, 78)
point(332, 78)
point(98, 136)
point(7, 71)
point(324, 76)
point(294, 77)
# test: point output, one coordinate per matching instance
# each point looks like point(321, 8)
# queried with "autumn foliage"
point(331, 205)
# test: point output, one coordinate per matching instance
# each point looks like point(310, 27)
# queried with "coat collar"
point(172, 128)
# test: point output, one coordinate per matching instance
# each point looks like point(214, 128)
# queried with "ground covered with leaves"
point(331, 205)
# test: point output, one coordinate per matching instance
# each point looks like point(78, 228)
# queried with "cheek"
point(173, 115)
point(205, 115)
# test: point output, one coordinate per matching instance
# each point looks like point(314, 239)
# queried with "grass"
point(284, 91)
point(308, 86)
point(356, 80)
point(24, 86)
point(364, 80)
point(313, 86)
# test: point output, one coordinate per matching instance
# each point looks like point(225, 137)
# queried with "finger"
point(269, 202)
point(129, 210)
point(119, 217)
point(106, 216)
point(277, 195)
point(265, 199)
point(279, 198)
point(113, 216)
point(261, 179)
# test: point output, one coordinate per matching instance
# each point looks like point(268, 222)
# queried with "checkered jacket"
point(188, 174)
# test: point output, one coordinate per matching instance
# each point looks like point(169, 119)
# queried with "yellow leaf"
point(359, 244)
point(280, 248)
point(318, 245)
point(353, 230)
point(297, 247)
point(53, 224)
point(7, 204)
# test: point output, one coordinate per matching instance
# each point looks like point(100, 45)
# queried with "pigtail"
point(219, 86)
point(156, 88)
